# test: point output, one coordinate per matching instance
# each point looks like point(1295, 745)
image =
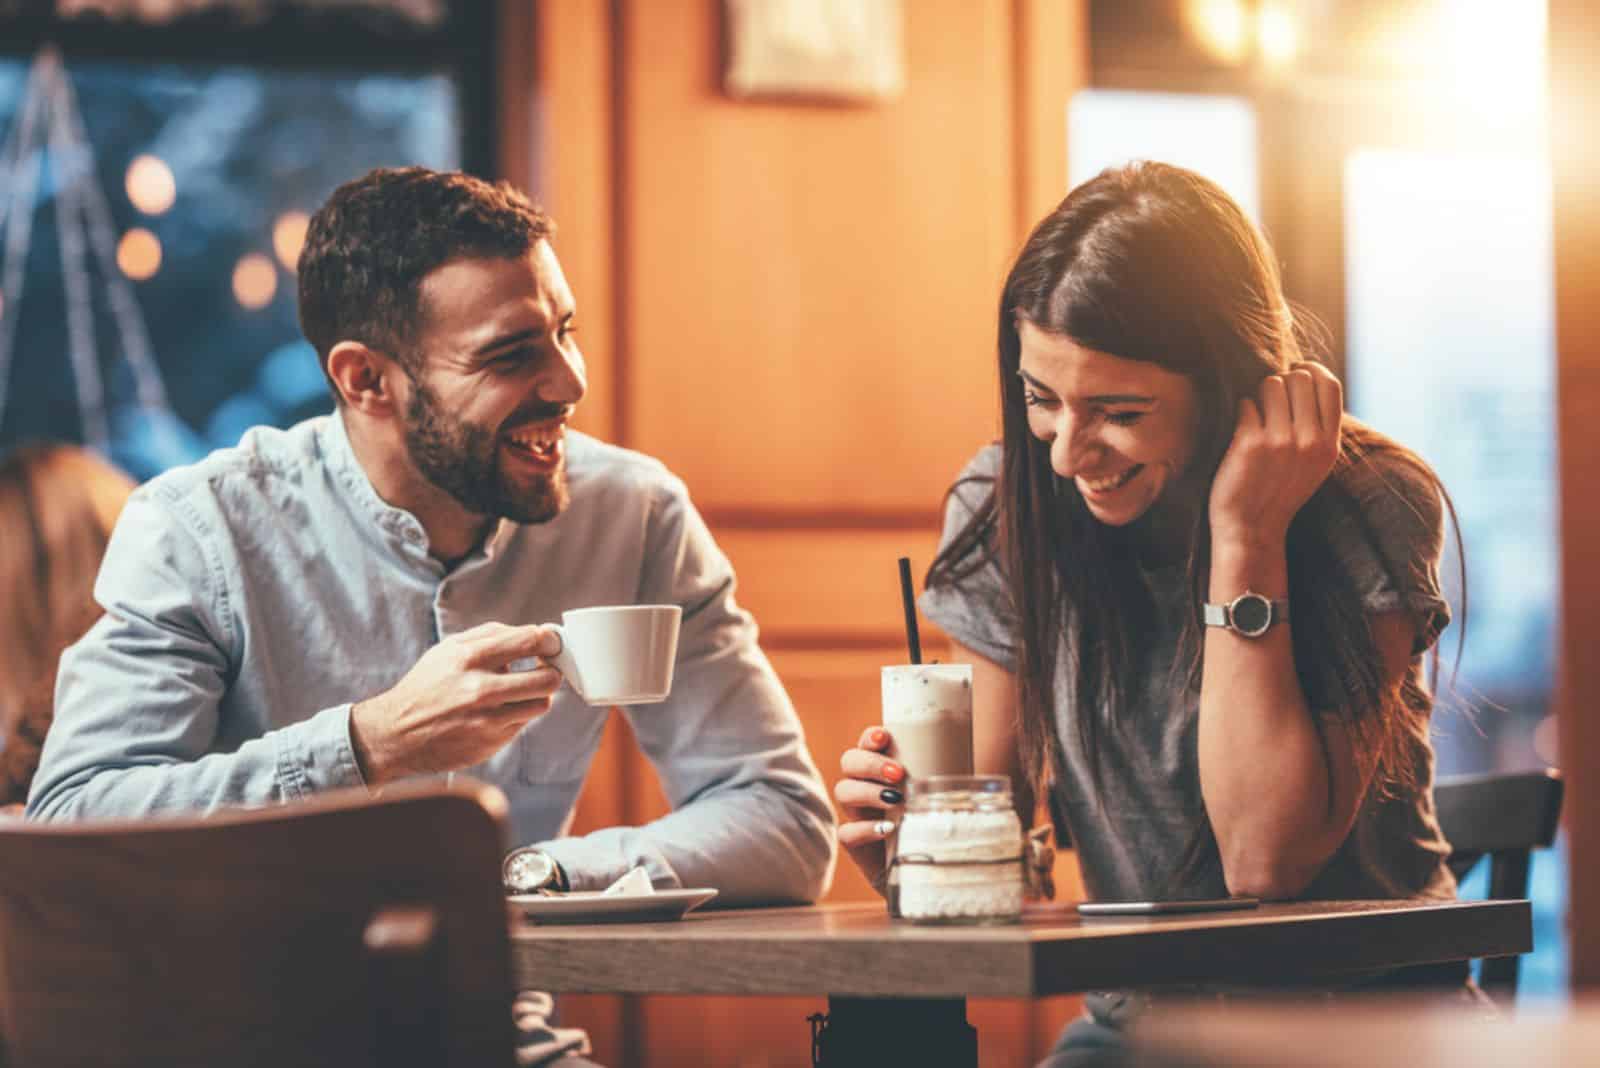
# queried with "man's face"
point(500, 375)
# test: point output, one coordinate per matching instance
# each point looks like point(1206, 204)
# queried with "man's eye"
point(1124, 418)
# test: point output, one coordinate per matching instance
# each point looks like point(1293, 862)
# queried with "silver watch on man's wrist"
point(1250, 614)
point(530, 871)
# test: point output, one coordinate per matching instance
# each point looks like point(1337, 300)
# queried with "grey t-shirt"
point(1134, 830)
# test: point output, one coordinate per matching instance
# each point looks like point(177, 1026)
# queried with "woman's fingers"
point(865, 764)
point(864, 832)
point(1304, 416)
point(1275, 417)
point(875, 738)
point(861, 794)
point(1330, 395)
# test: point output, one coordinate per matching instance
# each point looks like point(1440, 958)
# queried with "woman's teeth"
point(1106, 485)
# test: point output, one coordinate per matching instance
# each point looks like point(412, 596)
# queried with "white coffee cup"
point(619, 654)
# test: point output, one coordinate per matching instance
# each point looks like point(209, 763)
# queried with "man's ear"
point(364, 377)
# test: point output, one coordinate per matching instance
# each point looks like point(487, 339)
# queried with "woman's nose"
point(1070, 447)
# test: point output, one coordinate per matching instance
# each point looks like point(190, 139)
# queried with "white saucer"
point(592, 906)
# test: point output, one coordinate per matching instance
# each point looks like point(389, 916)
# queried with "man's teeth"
point(539, 439)
point(1105, 485)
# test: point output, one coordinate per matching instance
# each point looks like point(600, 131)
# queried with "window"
point(1213, 135)
point(151, 208)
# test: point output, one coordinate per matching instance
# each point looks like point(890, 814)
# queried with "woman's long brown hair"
point(57, 507)
point(1152, 262)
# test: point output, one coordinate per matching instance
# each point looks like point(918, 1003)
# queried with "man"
point(339, 603)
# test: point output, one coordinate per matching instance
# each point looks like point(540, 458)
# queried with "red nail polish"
point(877, 736)
point(893, 772)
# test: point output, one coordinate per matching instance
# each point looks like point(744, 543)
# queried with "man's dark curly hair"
point(369, 247)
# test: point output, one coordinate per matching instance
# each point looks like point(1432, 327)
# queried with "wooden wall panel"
point(1575, 113)
point(828, 588)
point(812, 286)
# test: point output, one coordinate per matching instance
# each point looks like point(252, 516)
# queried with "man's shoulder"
point(255, 468)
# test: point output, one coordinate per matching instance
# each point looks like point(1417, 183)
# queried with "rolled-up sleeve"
point(751, 815)
point(140, 698)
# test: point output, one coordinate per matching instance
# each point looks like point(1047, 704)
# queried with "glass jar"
point(959, 851)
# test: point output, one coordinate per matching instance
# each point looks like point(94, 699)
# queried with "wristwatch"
point(1249, 614)
point(529, 871)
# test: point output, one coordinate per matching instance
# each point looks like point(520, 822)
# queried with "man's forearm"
point(753, 843)
point(83, 779)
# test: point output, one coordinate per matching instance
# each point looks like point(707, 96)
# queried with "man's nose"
point(566, 380)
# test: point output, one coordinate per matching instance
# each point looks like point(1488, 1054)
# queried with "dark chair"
point(1504, 817)
point(343, 930)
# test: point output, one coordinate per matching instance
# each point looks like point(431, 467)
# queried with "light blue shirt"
point(252, 597)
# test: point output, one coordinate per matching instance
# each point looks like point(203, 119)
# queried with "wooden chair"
point(344, 930)
point(1504, 817)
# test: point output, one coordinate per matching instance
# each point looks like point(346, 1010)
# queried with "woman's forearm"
point(1263, 773)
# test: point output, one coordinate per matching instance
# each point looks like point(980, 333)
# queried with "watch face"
point(529, 871)
point(1251, 614)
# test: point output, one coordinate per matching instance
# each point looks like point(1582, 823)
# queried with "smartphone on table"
point(1156, 908)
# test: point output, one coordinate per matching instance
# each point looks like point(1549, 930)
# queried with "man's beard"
point(463, 460)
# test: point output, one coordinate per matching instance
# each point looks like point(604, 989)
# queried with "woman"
point(57, 507)
point(1175, 483)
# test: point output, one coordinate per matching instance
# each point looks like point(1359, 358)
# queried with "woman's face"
point(1122, 430)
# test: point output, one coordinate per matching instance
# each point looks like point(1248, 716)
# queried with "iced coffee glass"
point(927, 710)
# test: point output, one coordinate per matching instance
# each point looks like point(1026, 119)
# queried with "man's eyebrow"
point(520, 336)
point(1098, 398)
point(506, 341)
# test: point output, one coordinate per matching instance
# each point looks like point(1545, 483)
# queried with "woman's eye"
point(1124, 418)
point(1034, 400)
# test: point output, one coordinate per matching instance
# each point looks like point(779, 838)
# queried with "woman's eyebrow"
point(1098, 398)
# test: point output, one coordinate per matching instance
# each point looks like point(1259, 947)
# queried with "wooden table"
point(1393, 1034)
point(891, 977)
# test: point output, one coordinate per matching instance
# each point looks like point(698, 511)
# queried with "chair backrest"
point(1504, 817)
point(343, 930)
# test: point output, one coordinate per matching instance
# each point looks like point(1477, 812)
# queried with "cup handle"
point(565, 662)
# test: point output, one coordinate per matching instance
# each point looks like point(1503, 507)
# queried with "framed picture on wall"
point(824, 49)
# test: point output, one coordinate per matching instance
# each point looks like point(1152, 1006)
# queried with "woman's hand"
point(1284, 446)
point(869, 797)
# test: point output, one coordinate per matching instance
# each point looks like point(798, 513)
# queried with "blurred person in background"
point(57, 507)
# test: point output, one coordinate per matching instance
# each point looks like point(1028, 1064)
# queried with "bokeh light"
point(1221, 28)
point(151, 187)
point(139, 254)
point(255, 281)
point(1277, 34)
point(288, 235)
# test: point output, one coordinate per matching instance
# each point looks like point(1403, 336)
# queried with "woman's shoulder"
point(1394, 488)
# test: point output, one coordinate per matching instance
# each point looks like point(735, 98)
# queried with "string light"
point(150, 185)
point(289, 236)
point(255, 281)
point(139, 254)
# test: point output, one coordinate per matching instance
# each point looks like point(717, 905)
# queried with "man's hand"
point(458, 705)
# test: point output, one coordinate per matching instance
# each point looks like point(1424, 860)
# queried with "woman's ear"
point(363, 377)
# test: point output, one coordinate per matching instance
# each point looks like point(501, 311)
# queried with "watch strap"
point(1221, 615)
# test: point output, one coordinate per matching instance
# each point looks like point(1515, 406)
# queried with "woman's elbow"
point(1270, 878)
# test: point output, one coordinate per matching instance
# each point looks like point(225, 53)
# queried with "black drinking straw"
point(913, 642)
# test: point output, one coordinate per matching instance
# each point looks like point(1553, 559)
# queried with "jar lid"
point(977, 785)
